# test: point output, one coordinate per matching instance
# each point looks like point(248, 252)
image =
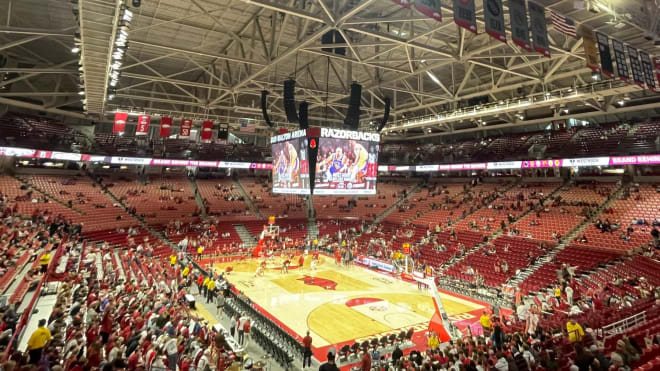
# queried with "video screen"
point(346, 166)
point(291, 167)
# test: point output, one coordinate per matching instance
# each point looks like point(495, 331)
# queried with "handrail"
point(623, 325)
point(25, 316)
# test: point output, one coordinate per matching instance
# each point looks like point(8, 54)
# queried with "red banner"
point(165, 127)
point(120, 122)
point(656, 66)
point(186, 125)
point(142, 125)
point(207, 130)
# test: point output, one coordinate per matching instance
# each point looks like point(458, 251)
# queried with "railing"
point(25, 316)
point(620, 327)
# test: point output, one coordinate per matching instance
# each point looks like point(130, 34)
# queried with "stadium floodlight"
point(595, 76)
point(621, 102)
point(82, 92)
point(75, 50)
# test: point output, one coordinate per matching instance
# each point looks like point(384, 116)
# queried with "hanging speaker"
point(302, 112)
point(386, 114)
point(290, 100)
point(352, 120)
point(264, 107)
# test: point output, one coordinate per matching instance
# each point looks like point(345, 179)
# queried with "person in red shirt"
point(307, 353)
point(301, 261)
point(365, 364)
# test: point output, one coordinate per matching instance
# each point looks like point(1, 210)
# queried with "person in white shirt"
point(172, 352)
point(569, 295)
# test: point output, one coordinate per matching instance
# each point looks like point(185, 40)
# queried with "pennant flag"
point(223, 131)
point(403, 3)
point(539, 28)
point(621, 61)
point(590, 49)
point(656, 64)
point(494, 16)
point(120, 122)
point(247, 127)
point(165, 127)
point(430, 8)
point(638, 75)
point(142, 125)
point(563, 24)
point(519, 25)
point(647, 68)
point(605, 56)
point(464, 15)
point(207, 130)
point(186, 125)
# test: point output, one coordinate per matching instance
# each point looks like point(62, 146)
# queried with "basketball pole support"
point(439, 323)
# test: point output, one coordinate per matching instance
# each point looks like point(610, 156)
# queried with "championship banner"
point(142, 125)
point(223, 131)
point(647, 69)
point(430, 8)
point(207, 130)
point(519, 25)
point(621, 61)
point(638, 74)
point(464, 15)
point(120, 122)
point(403, 3)
point(165, 127)
point(590, 50)
point(656, 64)
point(494, 16)
point(605, 56)
point(186, 125)
point(539, 29)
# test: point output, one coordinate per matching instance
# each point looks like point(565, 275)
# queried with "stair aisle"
point(245, 235)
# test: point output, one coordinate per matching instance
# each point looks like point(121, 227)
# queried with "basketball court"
point(341, 305)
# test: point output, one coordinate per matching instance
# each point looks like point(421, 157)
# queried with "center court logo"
point(320, 282)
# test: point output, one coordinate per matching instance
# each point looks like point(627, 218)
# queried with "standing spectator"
point(232, 328)
point(38, 340)
point(365, 364)
point(330, 364)
point(485, 323)
point(575, 331)
point(246, 332)
point(220, 304)
point(44, 261)
point(210, 291)
point(172, 352)
point(239, 327)
point(307, 353)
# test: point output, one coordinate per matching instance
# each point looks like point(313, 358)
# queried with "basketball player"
point(294, 163)
point(260, 269)
point(335, 163)
point(313, 265)
point(372, 167)
point(358, 169)
point(281, 167)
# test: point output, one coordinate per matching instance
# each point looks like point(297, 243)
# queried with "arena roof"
point(212, 58)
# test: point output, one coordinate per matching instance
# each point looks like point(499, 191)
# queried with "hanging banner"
point(165, 127)
point(223, 131)
point(207, 130)
point(403, 3)
point(539, 29)
point(464, 15)
point(647, 69)
point(494, 15)
point(605, 56)
point(430, 8)
point(638, 75)
point(142, 125)
point(590, 50)
point(186, 125)
point(120, 122)
point(621, 62)
point(519, 25)
point(656, 64)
